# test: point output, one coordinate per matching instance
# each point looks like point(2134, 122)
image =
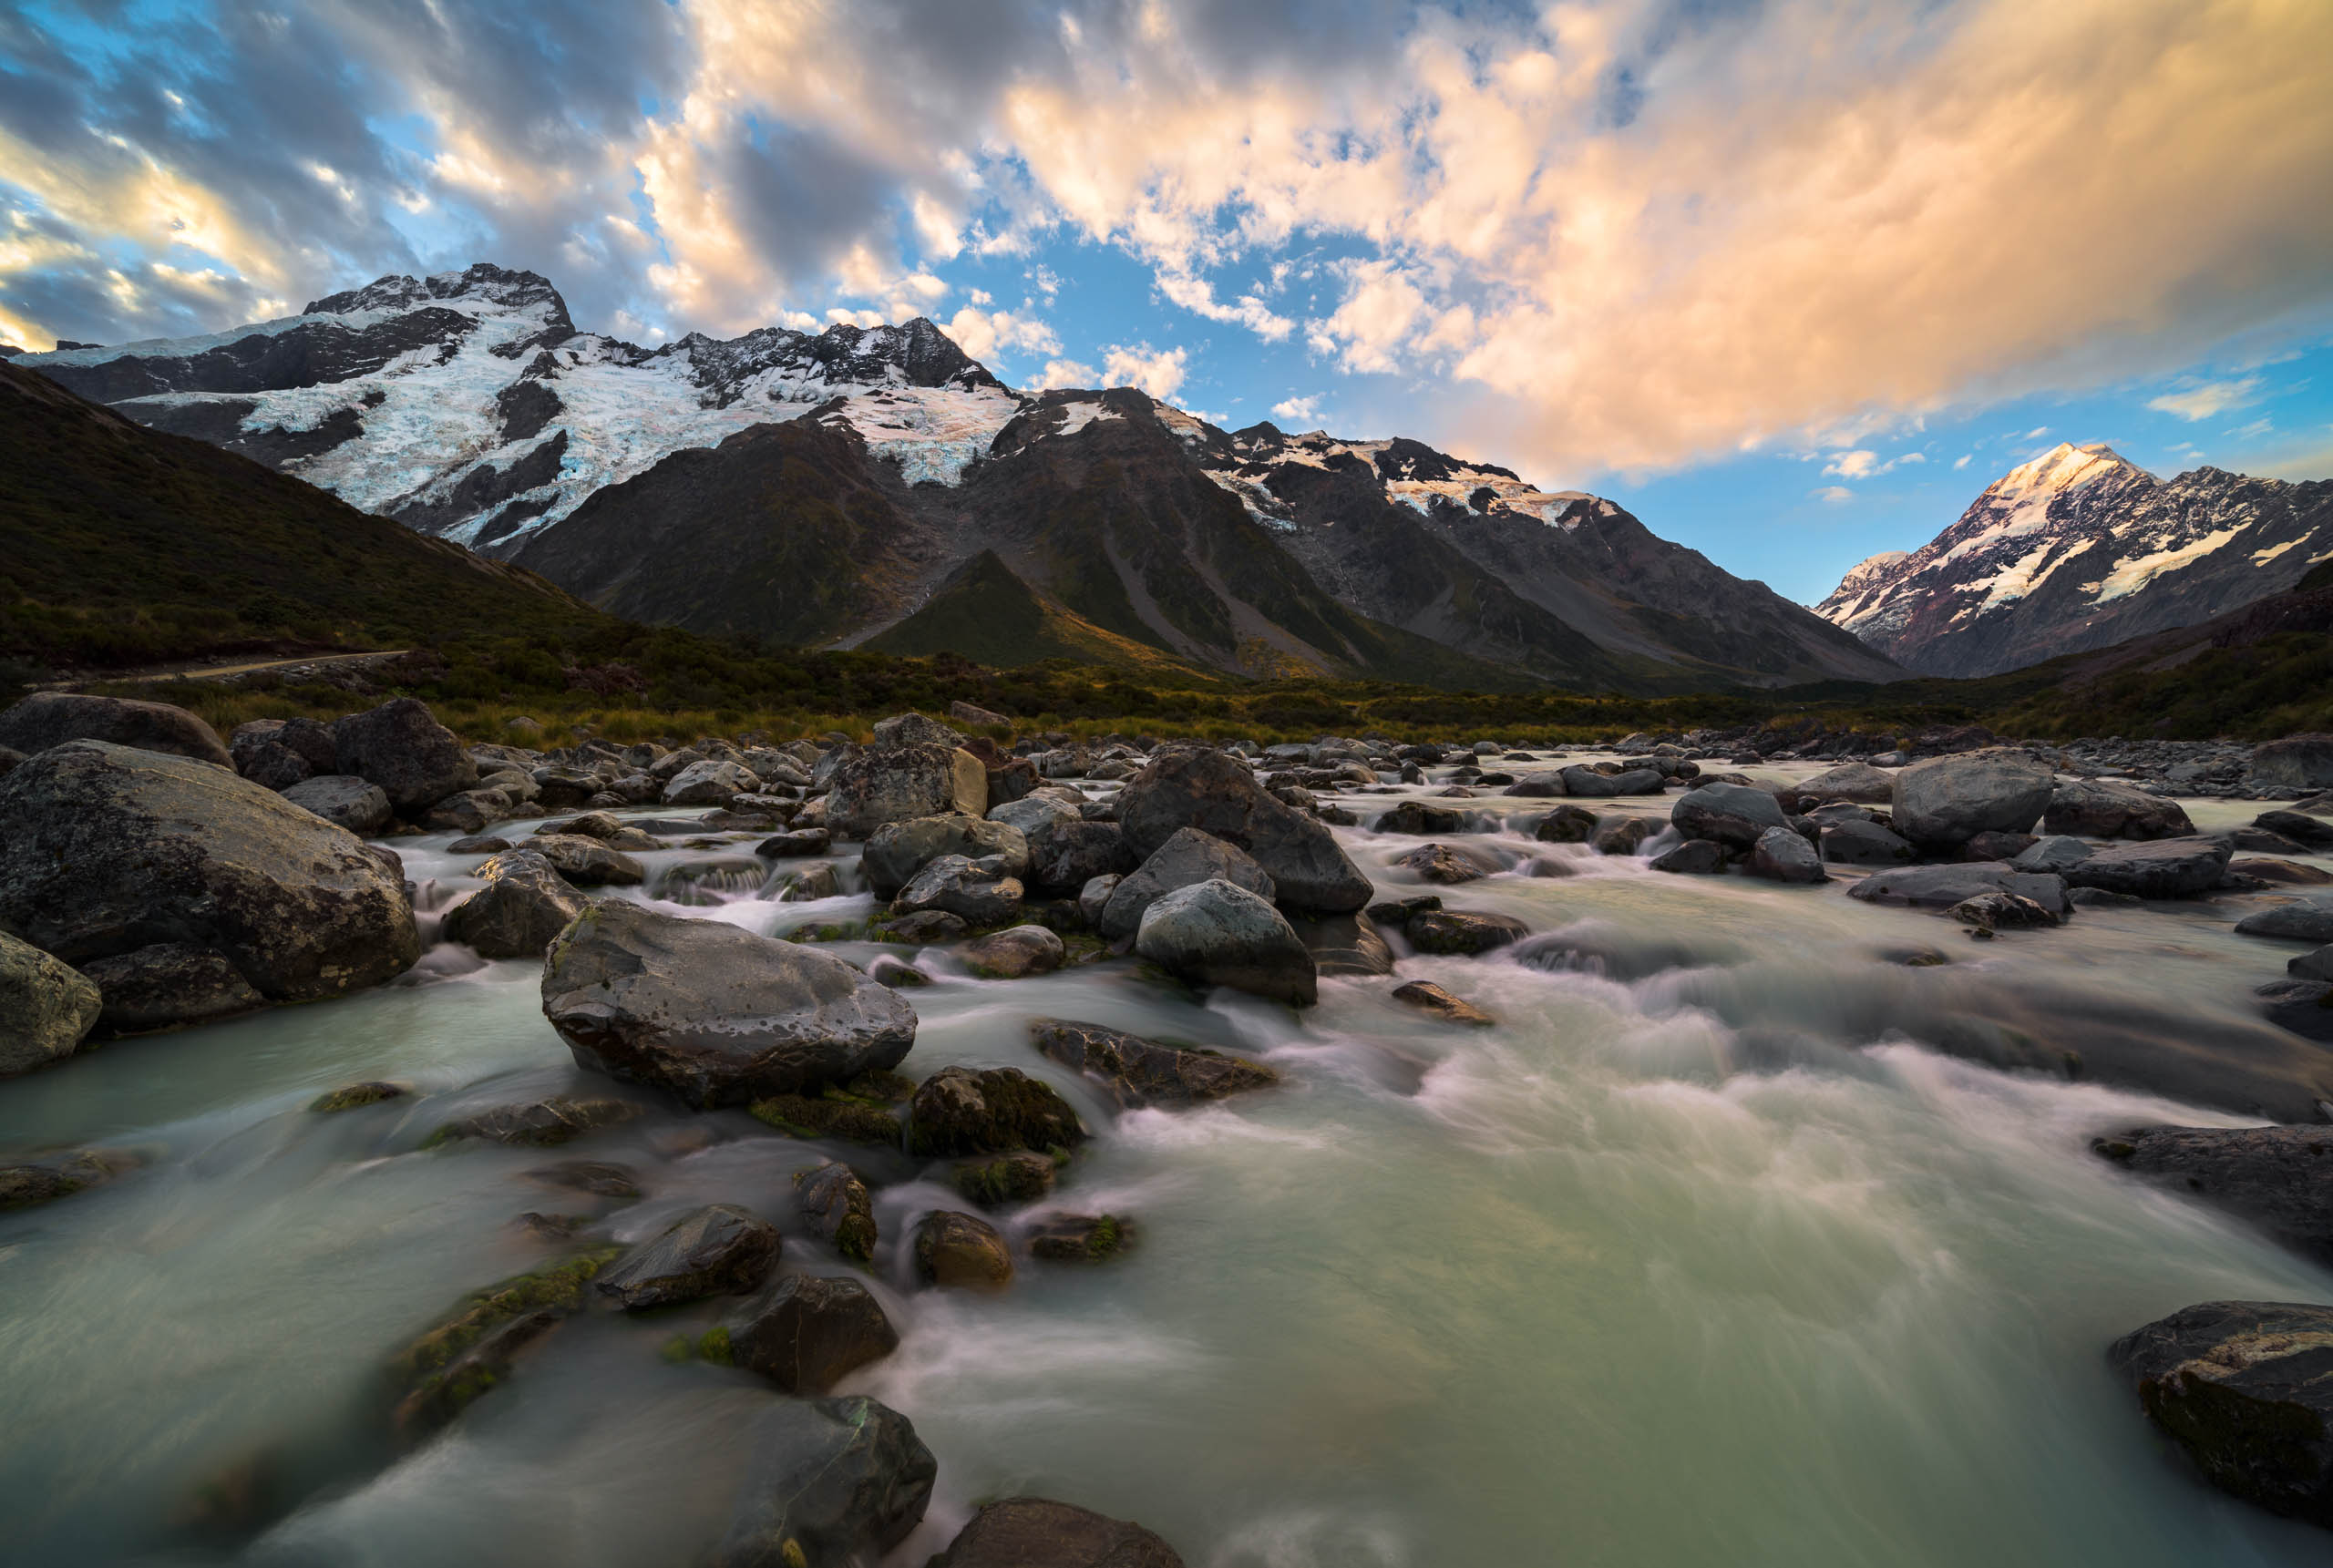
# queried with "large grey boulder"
point(587, 862)
point(344, 800)
point(1728, 814)
point(1950, 799)
point(2157, 868)
point(1942, 886)
point(278, 753)
point(166, 985)
point(2242, 1386)
point(1192, 787)
point(712, 782)
point(1186, 858)
point(2296, 761)
point(47, 1008)
point(524, 905)
point(805, 1333)
point(2278, 1178)
point(976, 892)
point(1033, 1533)
point(1864, 843)
point(714, 1014)
point(717, 1250)
point(1065, 851)
point(1216, 933)
point(401, 747)
point(48, 719)
point(2306, 921)
point(1783, 855)
point(1857, 782)
point(111, 849)
point(914, 729)
point(2054, 853)
point(880, 784)
point(898, 850)
point(834, 1483)
point(2102, 808)
point(989, 1110)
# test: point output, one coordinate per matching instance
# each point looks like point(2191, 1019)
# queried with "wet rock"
point(355, 1097)
point(167, 985)
point(1080, 1239)
point(832, 1112)
point(47, 1008)
point(2298, 826)
point(470, 1351)
point(1625, 837)
point(897, 850)
point(959, 1250)
point(1342, 944)
point(1021, 1177)
point(2159, 868)
point(524, 905)
point(1095, 897)
point(2099, 898)
point(1566, 824)
point(277, 753)
point(976, 892)
point(1783, 855)
point(1997, 911)
point(111, 850)
point(1588, 783)
point(2301, 922)
point(1189, 787)
point(1864, 843)
point(1453, 932)
point(805, 1333)
point(27, 1184)
point(989, 1110)
point(1188, 858)
point(720, 1249)
point(896, 783)
point(1950, 800)
point(1989, 846)
point(1442, 864)
point(703, 883)
point(838, 1208)
point(1415, 816)
point(1942, 886)
point(481, 844)
point(466, 811)
point(541, 1124)
point(808, 886)
point(1138, 1072)
point(1536, 786)
point(714, 1014)
point(48, 719)
point(1432, 999)
point(587, 862)
point(1857, 782)
point(1075, 853)
point(2241, 1387)
point(836, 1483)
point(711, 782)
point(1014, 953)
point(402, 747)
point(2314, 966)
point(926, 929)
point(801, 840)
point(344, 800)
point(2277, 1178)
point(1214, 933)
point(1730, 814)
point(1694, 857)
point(1033, 1532)
point(2296, 761)
point(600, 1178)
point(2053, 853)
point(2279, 873)
point(2102, 808)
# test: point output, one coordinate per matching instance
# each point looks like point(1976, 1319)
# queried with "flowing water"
point(1699, 1257)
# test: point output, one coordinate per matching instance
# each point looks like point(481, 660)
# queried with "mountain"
point(841, 488)
point(2080, 550)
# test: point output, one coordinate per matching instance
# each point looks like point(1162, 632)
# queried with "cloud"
point(1157, 372)
point(2208, 398)
point(1962, 461)
point(1195, 294)
point(1064, 373)
point(1863, 464)
point(1304, 411)
point(986, 333)
point(1835, 495)
point(2253, 431)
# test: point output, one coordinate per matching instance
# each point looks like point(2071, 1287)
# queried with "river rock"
point(836, 1483)
point(587, 862)
point(2241, 1386)
point(1439, 863)
point(1416, 816)
point(1191, 787)
point(1033, 1532)
point(2296, 761)
point(1857, 782)
point(976, 892)
point(989, 1110)
point(914, 729)
point(1079, 1238)
point(47, 1008)
point(954, 1249)
point(48, 719)
point(1589, 783)
point(1138, 1072)
point(1544, 785)
point(2300, 922)
point(1950, 800)
point(1998, 911)
point(111, 849)
point(898, 850)
point(167, 984)
point(276, 753)
point(28, 1183)
point(1020, 1177)
point(1565, 824)
point(1942, 886)
point(714, 1014)
point(2277, 1178)
point(1075, 853)
point(523, 906)
point(2158, 868)
point(1014, 953)
point(402, 747)
point(1694, 857)
point(539, 1123)
point(925, 928)
point(801, 840)
point(1728, 813)
point(1186, 858)
point(2298, 826)
point(2313, 966)
point(805, 1333)
point(1432, 999)
point(2054, 853)
point(1216, 933)
point(1454, 931)
point(1342, 944)
point(1624, 835)
point(712, 782)
point(838, 1208)
point(898, 783)
point(344, 800)
point(1865, 843)
point(720, 1249)
point(2102, 808)
point(1783, 855)
point(471, 1352)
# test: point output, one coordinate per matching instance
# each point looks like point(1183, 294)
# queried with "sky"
point(1791, 280)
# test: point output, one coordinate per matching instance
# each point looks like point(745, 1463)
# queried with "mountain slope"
point(2080, 550)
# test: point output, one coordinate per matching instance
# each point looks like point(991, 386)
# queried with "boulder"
point(47, 1008)
point(524, 905)
point(989, 1110)
point(898, 850)
point(1993, 846)
point(1454, 931)
point(537, 1123)
point(1095, 897)
point(2279, 1179)
point(2156, 868)
point(1857, 782)
point(838, 1208)
point(1865, 843)
point(167, 984)
point(720, 1249)
point(914, 729)
point(802, 841)
point(28, 1183)
point(1033, 1532)
point(1075, 853)
point(1014, 953)
point(1216, 933)
point(2241, 1386)
point(110, 850)
point(1694, 857)
point(1950, 800)
point(1536, 786)
point(805, 1334)
point(712, 782)
point(2298, 826)
point(1731, 814)
point(1020, 1177)
point(1588, 783)
point(1138, 1072)
point(898, 783)
point(1997, 911)
point(274, 753)
point(344, 800)
point(2054, 854)
point(1624, 835)
point(971, 713)
point(402, 747)
point(2301, 922)
point(473, 1350)
point(926, 926)
point(2296, 761)
point(834, 1482)
point(1079, 1238)
point(1343, 944)
point(1565, 824)
point(466, 811)
point(587, 862)
point(1207, 790)
point(978, 893)
point(1188, 858)
point(963, 1250)
point(1432, 999)
point(48, 719)
point(2102, 808)
point(1783, 855)
point(1416, 816)
point(1942, 886)
point(1441, 864)
point(2312, 966)
point(714, 1014)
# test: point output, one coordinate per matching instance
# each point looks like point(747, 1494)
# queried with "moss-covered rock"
point(439, 1374)
point(839, 1209)
point(541, 1124)
point(355, 1096)
point(993, 1111)
point(1020, 1177)
point(1080, 1238)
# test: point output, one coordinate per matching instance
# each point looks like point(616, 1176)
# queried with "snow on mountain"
point(2080, 549)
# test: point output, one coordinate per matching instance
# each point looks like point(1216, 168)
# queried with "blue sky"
point(1791, 279)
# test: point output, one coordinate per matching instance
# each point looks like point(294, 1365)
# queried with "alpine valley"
point(881, 489)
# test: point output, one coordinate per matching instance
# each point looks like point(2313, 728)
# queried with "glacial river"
point(1696, 1258)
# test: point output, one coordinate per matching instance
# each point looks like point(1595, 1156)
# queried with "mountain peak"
point(2063, 468)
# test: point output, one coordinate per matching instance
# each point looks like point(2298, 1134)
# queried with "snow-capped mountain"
point(2077, 550)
